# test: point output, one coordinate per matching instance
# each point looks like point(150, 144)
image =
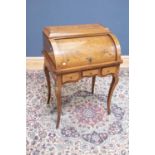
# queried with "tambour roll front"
point(76, 51)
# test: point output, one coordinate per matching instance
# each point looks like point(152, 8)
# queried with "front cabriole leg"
point(114, 82)
point(58, 97)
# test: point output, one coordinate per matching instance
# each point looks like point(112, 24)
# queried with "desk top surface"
point(74, 30)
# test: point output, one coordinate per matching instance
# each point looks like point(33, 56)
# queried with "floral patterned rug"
point(85, 127)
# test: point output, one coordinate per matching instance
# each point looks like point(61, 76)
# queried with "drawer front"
point(109, 70)
point(90, 72)
point(70, 77)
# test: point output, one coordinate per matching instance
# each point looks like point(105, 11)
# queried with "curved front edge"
point(58, 55)
point(117, 45)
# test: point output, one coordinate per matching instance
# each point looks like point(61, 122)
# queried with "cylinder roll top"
point(80, 45)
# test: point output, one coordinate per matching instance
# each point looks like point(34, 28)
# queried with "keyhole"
point(89, 59)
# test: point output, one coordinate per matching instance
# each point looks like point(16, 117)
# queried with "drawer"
point(90, 72)
point(70, 77)
point(109, 70)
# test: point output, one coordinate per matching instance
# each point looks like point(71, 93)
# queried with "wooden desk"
point(77, 51)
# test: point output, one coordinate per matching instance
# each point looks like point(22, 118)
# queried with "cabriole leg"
point(58, 96)
point(48, 83)
point(93, 84)
point(112, 87)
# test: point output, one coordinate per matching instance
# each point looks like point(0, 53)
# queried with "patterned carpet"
point(85, 127)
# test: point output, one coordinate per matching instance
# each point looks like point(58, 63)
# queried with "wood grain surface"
point(77, 51)
point(36, 63)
